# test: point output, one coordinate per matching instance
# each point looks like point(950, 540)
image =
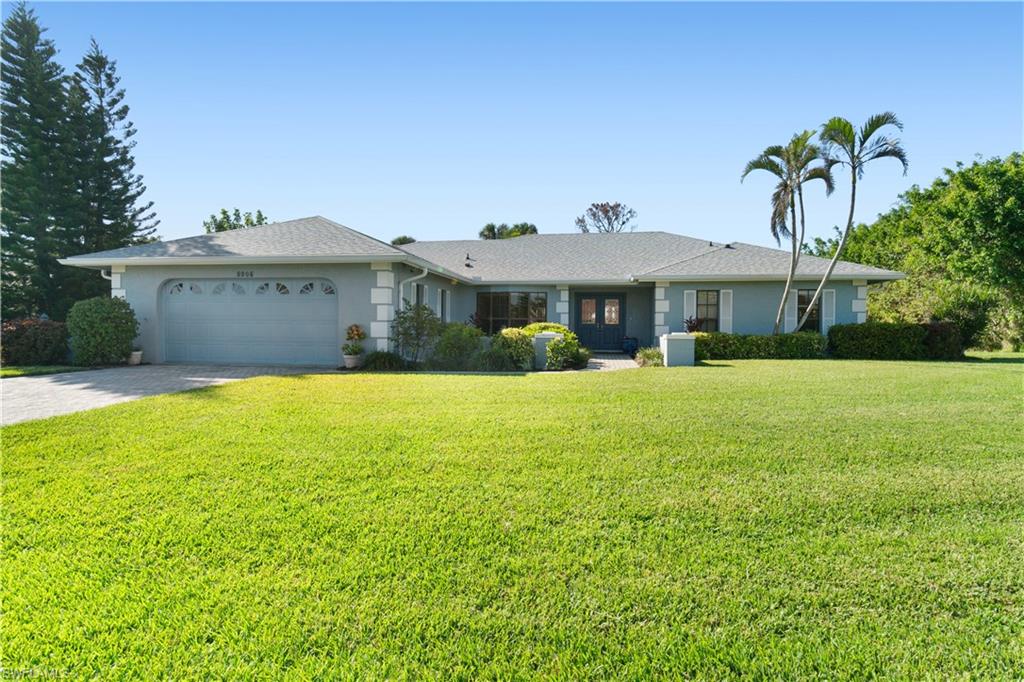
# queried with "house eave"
point(767, 278)
point(87, 262)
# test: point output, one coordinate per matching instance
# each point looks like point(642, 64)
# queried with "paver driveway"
point(26, 398)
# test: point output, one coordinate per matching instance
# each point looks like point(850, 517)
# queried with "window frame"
point(501, 302)
point(801, 308)
point(707, 323)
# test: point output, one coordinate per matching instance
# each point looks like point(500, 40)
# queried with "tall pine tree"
point(35, 180)
point(115, 213)
point(69, 180)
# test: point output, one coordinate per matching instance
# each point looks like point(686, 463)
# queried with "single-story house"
point(284, 293)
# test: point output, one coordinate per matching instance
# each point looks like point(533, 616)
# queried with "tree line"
point(69, 179)
point(960, 242)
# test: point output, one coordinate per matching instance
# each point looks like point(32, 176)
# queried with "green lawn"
point(749, 518)
point(35, 370)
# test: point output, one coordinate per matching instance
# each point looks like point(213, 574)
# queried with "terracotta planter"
point(352, 361)
point(135, 358)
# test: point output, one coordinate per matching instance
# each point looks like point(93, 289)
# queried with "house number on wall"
point(243, 273)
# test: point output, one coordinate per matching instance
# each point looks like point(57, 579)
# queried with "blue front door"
point(601, 320)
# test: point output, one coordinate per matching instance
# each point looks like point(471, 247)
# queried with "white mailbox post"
point(677, 348)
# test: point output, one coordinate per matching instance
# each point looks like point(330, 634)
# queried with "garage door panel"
point(226, 321)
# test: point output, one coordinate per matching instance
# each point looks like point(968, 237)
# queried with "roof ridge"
point(695, 256)
point(352, 229)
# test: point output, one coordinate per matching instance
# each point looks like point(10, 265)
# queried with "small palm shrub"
point(649, 357)
point(517, 344)
point(33, 341)
point(456, 348)
point(102, 330)
point(383, 361)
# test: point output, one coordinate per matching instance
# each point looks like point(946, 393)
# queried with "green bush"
point(415, 330)
point(537, 327)
point(495, 359)
point(649, 357)
point(942, 341)
point(722, 346)
point(456, 348)
point(383, 361)
point(877, 341)
point(32, 341)
point(566, 353)
point(517, 344)
point(102, 330)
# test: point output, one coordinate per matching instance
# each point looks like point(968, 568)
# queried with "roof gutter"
point(104, 263)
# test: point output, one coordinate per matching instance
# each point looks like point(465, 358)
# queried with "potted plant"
point(353, 350)
point(135, 358)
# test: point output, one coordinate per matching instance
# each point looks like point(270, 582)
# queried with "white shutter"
point(828, 309)
point(689, 304)
point(791, 312)
point(725, 311)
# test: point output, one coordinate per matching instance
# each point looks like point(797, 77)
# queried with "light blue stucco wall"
point(755, 304)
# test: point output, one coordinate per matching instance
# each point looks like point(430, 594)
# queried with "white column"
point(117, 289)
point(662, 309)
point(382, 298)
point(860, 300)
point(562, 305)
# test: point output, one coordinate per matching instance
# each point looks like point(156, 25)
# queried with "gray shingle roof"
point(561, 257)
point(739, 260)
point(554, 258)
point(309, 237)
point(646, 256)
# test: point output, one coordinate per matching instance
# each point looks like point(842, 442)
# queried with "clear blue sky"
point(433, 119)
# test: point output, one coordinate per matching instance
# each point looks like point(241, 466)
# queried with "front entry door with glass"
point(601, 320)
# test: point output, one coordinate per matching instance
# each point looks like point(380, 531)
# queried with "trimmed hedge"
point(33, 341)
point(515, 343)
point(102, 330)
point(722, 346)
point(895, 341)
point(456, 348)
point(383, 361)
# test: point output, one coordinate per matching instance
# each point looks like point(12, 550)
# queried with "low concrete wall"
point(677, 349)
point(540, 348)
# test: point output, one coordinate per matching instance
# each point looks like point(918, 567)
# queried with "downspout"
point(105, 274)
point(401, 286)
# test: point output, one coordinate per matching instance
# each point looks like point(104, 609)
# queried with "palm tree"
point(844, 145)
point(794, 166)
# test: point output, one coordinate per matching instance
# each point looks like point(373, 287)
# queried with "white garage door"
point(286, 321)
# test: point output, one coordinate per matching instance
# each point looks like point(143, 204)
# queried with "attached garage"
point(284, 321)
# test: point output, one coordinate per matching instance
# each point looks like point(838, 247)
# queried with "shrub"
point(495, 359)
point(942, 341)
point(383, 361)
point(102, 330)
point(877, 341)
point(456, 348)
point(414, 330)
point(722, 346)
point(517, 344)
point(33, 341)
point(649, 357)
point(537, 327)
point(566, 353)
